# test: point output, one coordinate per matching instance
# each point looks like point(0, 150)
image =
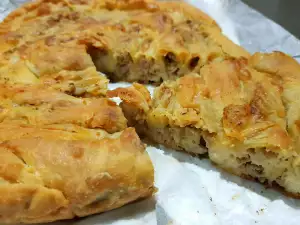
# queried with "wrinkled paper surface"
point(193, 191)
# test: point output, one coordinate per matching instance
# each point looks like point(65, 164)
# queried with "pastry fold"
point(38, 105)
point(64, 171)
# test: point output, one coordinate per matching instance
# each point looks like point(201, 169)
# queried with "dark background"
point(284, 12)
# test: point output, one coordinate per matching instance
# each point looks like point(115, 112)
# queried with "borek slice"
point(236, 112)
point(63, 171)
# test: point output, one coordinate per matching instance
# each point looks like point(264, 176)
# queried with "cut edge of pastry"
point(178, 138)
point(275, 165)
point(187, 139)
point(136, 101)
point(271, 168)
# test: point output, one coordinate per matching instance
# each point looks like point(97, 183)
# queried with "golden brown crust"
point(137, 95)
point(199, 101)
point(68, 69)
point(25, 202)
point(59, 169)
point(43, 7)
point(134, 40)
point(189, 11)
point(246, 111)
point(286, 71)
point(67, 156)
point(36, 106)
point(58, 173)
point(56, 167)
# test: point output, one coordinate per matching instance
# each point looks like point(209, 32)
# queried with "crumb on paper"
point(210, 198)
point(260, 211)
point(236, 196)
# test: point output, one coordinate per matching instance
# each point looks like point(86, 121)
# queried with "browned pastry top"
point(230, 100)
point(53, 173)
point(128, 40)
point(246, 110)
point(65, 148)
point(38, 106)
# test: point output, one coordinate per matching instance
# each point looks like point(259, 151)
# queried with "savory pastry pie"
point(65, 149)
point(60, 41)
point(245, 113)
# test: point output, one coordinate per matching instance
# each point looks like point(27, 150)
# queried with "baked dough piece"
point(245, 114)
point(66, 68)
point(131, 40)
point(198, 102)
point(53, 167)
point(161, 119)
point(37, 105)
point(59, 172)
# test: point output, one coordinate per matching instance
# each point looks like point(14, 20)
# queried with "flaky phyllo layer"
point(245, 113)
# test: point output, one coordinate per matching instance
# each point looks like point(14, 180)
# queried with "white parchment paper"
point(192, 191)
